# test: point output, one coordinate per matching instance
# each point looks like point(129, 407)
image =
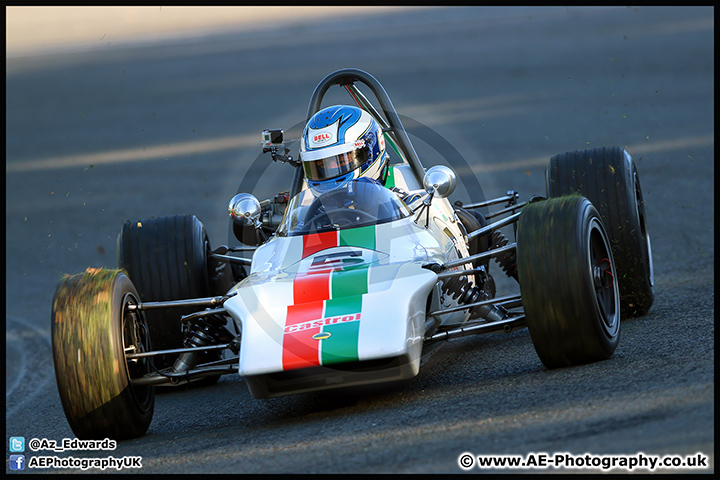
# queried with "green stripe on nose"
point(358, 237)
point(342, 345)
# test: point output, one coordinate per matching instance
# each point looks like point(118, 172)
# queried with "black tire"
point(566, 274)
point(608, 177)
point(168, 258)
point(91, 330)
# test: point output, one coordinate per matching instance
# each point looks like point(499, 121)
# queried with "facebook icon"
point(17, 462)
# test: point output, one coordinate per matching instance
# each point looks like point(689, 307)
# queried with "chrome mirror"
point(440, 180)
point(244, 209)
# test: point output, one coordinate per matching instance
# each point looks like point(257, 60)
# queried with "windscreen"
point(359, 203)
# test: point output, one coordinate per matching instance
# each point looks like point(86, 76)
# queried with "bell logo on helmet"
point(322, 137)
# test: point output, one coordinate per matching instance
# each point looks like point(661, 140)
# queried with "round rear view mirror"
point(244, 209)
point(441, 180)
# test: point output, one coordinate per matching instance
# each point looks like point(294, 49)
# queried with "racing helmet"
point(341, 143)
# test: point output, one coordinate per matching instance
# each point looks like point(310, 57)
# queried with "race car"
point(355, 285)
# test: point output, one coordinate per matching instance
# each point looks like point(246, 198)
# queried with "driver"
point(342, 143)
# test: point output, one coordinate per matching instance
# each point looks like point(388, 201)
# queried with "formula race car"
point(355, 285)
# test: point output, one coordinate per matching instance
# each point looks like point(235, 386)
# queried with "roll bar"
point(391, 124)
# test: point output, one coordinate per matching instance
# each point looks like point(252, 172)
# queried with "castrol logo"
point(322, 137)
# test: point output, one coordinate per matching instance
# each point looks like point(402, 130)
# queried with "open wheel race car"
point(356, 285)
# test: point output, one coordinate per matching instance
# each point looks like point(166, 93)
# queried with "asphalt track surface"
point(98, 136)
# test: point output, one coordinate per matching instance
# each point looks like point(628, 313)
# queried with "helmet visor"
point(334, 165)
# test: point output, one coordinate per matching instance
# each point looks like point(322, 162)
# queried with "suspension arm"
point(231, 259)
point(131, 356)
point(193, 302)
point(494, 226)
point(177, 378)
point(510, 197)
point(478, 256)
point(204, 313)
point(492, 301)
point(505, 325)
point(509, 209)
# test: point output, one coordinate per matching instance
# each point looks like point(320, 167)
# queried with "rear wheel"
point(567, 281)
point(168, 258)
point(608, 177)
point(92, 330)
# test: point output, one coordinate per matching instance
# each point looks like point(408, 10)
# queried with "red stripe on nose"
point(300, 350)
point(318, 241)
point(311, 287)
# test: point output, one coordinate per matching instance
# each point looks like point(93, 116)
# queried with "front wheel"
point(568, 282)
point(93, 327)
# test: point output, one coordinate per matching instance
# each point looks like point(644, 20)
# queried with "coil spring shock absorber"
point(508, 261)
point(460, 289)
point(209, 330)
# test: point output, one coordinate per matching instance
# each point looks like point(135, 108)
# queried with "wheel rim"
point(136, 340)
point(603, 273)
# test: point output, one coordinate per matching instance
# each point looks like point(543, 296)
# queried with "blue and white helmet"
point(341, 143)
